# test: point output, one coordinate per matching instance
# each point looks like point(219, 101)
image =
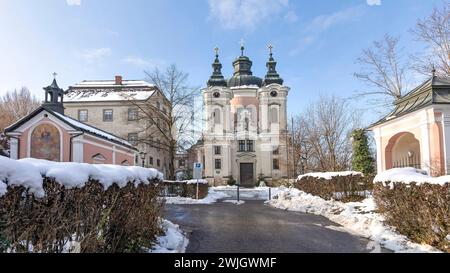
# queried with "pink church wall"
point(91, 150)
point(24, 140)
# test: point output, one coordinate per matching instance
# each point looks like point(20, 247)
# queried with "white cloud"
point(141, 62)
point(233, 14)
point(137, 61)
point(73, 2)
point(374, 2)
point(96, 55)
point(324, 22)
point(291, 16)
point(313, 30)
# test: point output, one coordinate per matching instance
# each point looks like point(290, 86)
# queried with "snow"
point(93, 130)
point(408, 176)
point(213, 197)
point(173, 240)
point(112, 83)
point(358, 218)
point(96, 96)
point(192, 181)
point(235, 202)
point(329, 175)
point(28, 173)
point(259, 193)
point(2, 188)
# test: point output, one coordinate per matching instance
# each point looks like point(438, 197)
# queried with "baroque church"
point(245, 132)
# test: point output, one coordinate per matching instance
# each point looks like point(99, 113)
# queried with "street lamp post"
point(143, 155)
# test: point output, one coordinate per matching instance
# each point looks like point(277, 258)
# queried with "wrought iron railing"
point(408, 162)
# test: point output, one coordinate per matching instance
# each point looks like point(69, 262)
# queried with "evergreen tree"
point(362, 159)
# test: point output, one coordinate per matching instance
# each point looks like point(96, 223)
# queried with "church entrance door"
point(247, 177)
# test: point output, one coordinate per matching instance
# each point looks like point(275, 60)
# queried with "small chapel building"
point(48, 134)
point(417, 132)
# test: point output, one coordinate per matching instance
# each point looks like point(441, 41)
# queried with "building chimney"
point(118, 80)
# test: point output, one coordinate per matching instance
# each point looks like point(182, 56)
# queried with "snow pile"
point(29, 172)
point(192, 181)
point(259, 193)
point(212, 197)
point(359, 218)
point(173, 241)
point(234, 202)
point(329, 175)
point(409, 175)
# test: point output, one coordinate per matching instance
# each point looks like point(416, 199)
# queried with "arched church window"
point(46, 143)
point(216, 116)
point(274, 115)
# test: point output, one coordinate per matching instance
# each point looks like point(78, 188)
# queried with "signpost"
point(197, 173)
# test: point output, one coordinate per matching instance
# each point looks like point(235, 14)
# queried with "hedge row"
point(348, 188)
point(419, 211)
point(183, 189)
point(113, 220)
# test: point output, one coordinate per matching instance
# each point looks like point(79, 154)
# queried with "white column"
point(446, 135)
point(425, 143)
point(14, 148)
point(114, 155)
point(78, 150)
point(380, 158)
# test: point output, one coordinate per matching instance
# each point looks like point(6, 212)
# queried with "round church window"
point(216, 94)
point(274, 94)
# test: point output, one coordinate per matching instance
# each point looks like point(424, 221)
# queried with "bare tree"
point(383, 71)
point(434, 31)
point(14, 105)
point(169, 128)
point(322, 135)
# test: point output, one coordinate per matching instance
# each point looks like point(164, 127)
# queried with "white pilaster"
point(78, 150)
point(14, 148)
point(378, 141)
point(425, 143)
point(446, 133)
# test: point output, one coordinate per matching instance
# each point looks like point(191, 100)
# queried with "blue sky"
point(316, 42)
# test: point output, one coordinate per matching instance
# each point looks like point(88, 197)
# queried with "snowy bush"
point(47, 206)
point(417, 205)
point(342, 186)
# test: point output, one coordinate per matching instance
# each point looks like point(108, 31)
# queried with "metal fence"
point(408, 162)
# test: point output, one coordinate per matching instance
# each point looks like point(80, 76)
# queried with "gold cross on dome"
point(54, 75)
point(216, 50)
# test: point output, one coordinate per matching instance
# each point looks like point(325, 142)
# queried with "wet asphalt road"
point(257, 228)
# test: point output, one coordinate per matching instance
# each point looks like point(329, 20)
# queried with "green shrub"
point(231, 181)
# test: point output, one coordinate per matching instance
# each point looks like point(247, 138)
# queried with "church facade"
point(245, 133)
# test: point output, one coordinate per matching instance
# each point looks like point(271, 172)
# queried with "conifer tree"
point(362, 158)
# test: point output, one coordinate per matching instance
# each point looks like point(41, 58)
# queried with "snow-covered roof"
point(28, 173)
point(93, 130)
point(112, 84)
point(109, 90)
point(106, 95)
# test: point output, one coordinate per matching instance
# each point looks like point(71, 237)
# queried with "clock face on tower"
point(216, 95)
point(274, 94)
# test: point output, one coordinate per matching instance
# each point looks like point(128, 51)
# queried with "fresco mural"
point(45, 143)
